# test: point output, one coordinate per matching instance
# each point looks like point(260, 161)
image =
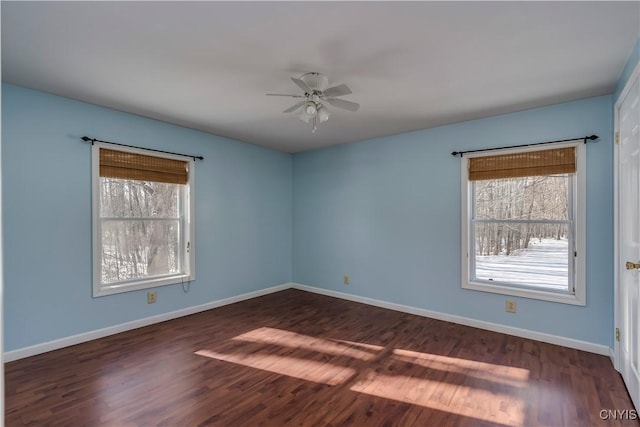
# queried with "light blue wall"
point(632, 62)
point(387, 212)
point(243, 216)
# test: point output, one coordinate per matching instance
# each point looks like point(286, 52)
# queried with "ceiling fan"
point(317, 95)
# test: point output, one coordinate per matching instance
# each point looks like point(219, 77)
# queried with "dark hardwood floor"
point(296, 358)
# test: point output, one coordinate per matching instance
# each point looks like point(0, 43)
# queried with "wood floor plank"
point(302, 359)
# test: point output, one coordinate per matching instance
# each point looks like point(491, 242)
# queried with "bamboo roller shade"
point(531, 163)
point(124, 165)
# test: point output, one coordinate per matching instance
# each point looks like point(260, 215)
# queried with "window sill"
point(525, 293)
point(118, 288)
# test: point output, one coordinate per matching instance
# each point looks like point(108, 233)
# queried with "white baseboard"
point(122, 327)
point(495, 327)
point(111, 330)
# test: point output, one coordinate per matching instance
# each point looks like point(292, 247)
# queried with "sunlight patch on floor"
point(506, 375)
point(304, 369)
point(367, 347)
point(294, 340)
point(479, 390)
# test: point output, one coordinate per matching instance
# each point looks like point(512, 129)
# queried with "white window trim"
point(99, 289)
point(580, 210)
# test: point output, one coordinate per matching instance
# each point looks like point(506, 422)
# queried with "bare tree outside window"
point(140, 229)
point(523, 230)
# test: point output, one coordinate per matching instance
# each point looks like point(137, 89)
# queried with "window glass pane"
point(134, 249)
point(528, 198)
point(523, 254)
point(122, 198)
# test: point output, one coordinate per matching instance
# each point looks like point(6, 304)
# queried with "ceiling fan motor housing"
point(315, 81)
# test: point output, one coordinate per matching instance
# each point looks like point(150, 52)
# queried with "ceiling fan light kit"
point(316, 96)
point(323, 115)
point(311, 108)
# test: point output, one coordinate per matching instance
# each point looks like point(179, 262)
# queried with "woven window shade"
point(531, 163)
point(124, 165)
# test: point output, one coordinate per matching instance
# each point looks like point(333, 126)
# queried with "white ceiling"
point(411, 65)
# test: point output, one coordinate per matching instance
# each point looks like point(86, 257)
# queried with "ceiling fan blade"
point(337, 91)
point(283, 94)
point(294, 107)
point(341, 103)
point(302, 85)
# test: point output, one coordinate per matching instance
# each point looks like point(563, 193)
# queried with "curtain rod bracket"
point(92, 140)
point(585, 139)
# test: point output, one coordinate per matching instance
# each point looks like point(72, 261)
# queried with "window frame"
point(578, 297)
point(187, 235)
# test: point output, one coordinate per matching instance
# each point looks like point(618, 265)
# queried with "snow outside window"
point(142, 220)
point(525, 235)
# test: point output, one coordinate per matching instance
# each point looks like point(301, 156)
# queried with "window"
point(142, 220)
point(523, 222)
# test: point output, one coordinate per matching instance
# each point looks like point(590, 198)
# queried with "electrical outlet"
point(511, 306)
point(345, 279)
point(151, 297)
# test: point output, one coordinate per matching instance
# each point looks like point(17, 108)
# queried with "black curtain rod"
point(92, 140)
point(584, 138)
